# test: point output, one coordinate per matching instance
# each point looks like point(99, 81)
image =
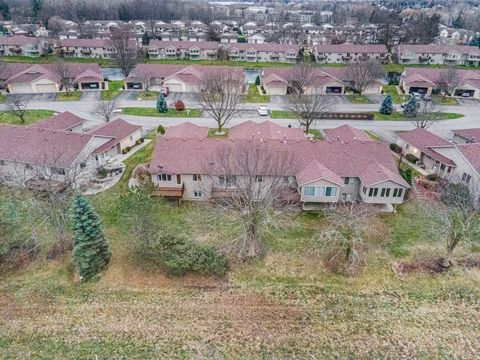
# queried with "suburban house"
point(192, 50)
point(177, 78)
point(466, 136)
point(121, 136)
point(86, 48)
point(324, 171)
point(326, 80)
point(346, 133)
point(47, 78)
point(46, 153)
point(186, 130)
point(265, 52)
point(65, 121)
point(265, 130)
point(438, 54)
point(421, 144)
point(346, 53)
point(425, 80)
point(22, 46)
point(229, 37)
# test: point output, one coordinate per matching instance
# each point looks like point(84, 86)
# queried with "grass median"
point(70, 96)
point(114, 89)
point(139, 111)
point(399, 116)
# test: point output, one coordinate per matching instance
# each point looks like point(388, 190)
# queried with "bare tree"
point(60, 68)
point(16, 105)
point(251, 180)
point(145, 76)
point(345, 236)
point(362, 74)
point(302, 76)
point(426, 114)
point(125, 52)
point(220, 95)
point(105, 109)
point(307, 108)
point(458, 221)
point(449, 80)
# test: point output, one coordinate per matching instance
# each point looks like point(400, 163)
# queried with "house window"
point(365, 191)
point(466, 178)
point(346, 180)
point(375, 192)
point(164, 177)
point(197, 193)
point(258, 178)
point(226, 180)
point(400, 191)
point(382, 194)
point(197, 177)
point(309, 191)
point(57, 171)
point(407, 146)
point(387, 194)
point(330, 191)
point(370, 192)
point(3, 163)
point(395, 192)
point(286, 179)
point(179, 179)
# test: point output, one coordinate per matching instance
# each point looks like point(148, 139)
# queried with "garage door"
point(276, 90)
point(174, 87)
point(46, 88)
point(21, 89)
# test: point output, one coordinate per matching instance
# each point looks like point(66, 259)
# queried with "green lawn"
point(254, 96)
point(70, 96)
point(52, 58)
point(114, 89)
point(373, 136)
point(244, 64)
point(31, 117)
point(440, 100)
point(148, 95)
point(358, 99)
point(281, 114)
point(396, 97)
point(139, 111)
point(398, 115)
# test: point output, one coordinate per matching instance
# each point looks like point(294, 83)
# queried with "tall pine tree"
point(161, 104)
point(90, 248)
point(387, 106)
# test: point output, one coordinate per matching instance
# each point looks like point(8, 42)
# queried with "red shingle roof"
point(350, 48)
point(472, 135)
point(471, 152)
point(187, 130)
point(117, 129)
point(430, 76)
point(16, 40)
point(190, 156)
point(41, 146)
point(424, 140)
point(89, 43)
point(266, 130)
point(315, 171)
point(439, 49)
point(346, 133)
point(159, 44)
point(63, 121)
point(265, 47)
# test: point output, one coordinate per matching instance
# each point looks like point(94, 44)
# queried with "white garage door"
point(46, 88)
point(21, 88)
point(174, 87)
point(276, 90)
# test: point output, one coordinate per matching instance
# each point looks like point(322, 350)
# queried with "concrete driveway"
point(93, 95)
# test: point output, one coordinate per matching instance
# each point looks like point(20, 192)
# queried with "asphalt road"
point(386, 129)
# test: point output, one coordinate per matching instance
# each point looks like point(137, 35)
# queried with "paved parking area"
point(127, 95)
point(90, 95)
point(468, 102)
point(35, 97)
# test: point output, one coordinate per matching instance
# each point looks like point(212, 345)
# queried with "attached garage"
point(46, 88)
point(175, 86)
point(276, 88)
point(334, 90)
point(20, 88)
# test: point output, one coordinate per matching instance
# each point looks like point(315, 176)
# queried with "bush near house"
point(179, 105)
point(411, 158)
point(126, 150)
point(433, 177)
point(161, 129)
point(395, 148)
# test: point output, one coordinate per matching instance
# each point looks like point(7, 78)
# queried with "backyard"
point(31, 116)
point(289, 304)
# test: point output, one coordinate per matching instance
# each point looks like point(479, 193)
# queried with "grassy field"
point(286, 305)
point(70, 96)
point(398, 115)
point(440, 100)
point(148, 95)
point(254, 96)
point(114, 89)
point(358, 99)
point(281, 114)
point(52, 58)
point(31, 117)
point(396, 97)
point(139, 111)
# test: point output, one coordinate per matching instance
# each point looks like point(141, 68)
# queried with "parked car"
point(466, 94)
point(262, 110)
point(417, 96)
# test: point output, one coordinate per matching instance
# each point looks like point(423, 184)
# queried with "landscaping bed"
point(358, 99)
point(139, 111)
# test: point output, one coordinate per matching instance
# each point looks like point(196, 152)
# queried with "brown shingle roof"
point(187, 130)
point(266, 130)
point(472, 135)
point(350, 48)
point(346, 133)
point(471, 152)
point(63, 121)
point(16, 40)
point(117, 129)
point(265, 47)
point(159, 44)
point(439, 49)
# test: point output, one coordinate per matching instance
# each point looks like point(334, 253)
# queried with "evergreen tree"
point(410, 109)
point(257, 80)
point(161, 104)
point(90, 248)
point(387, 106)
